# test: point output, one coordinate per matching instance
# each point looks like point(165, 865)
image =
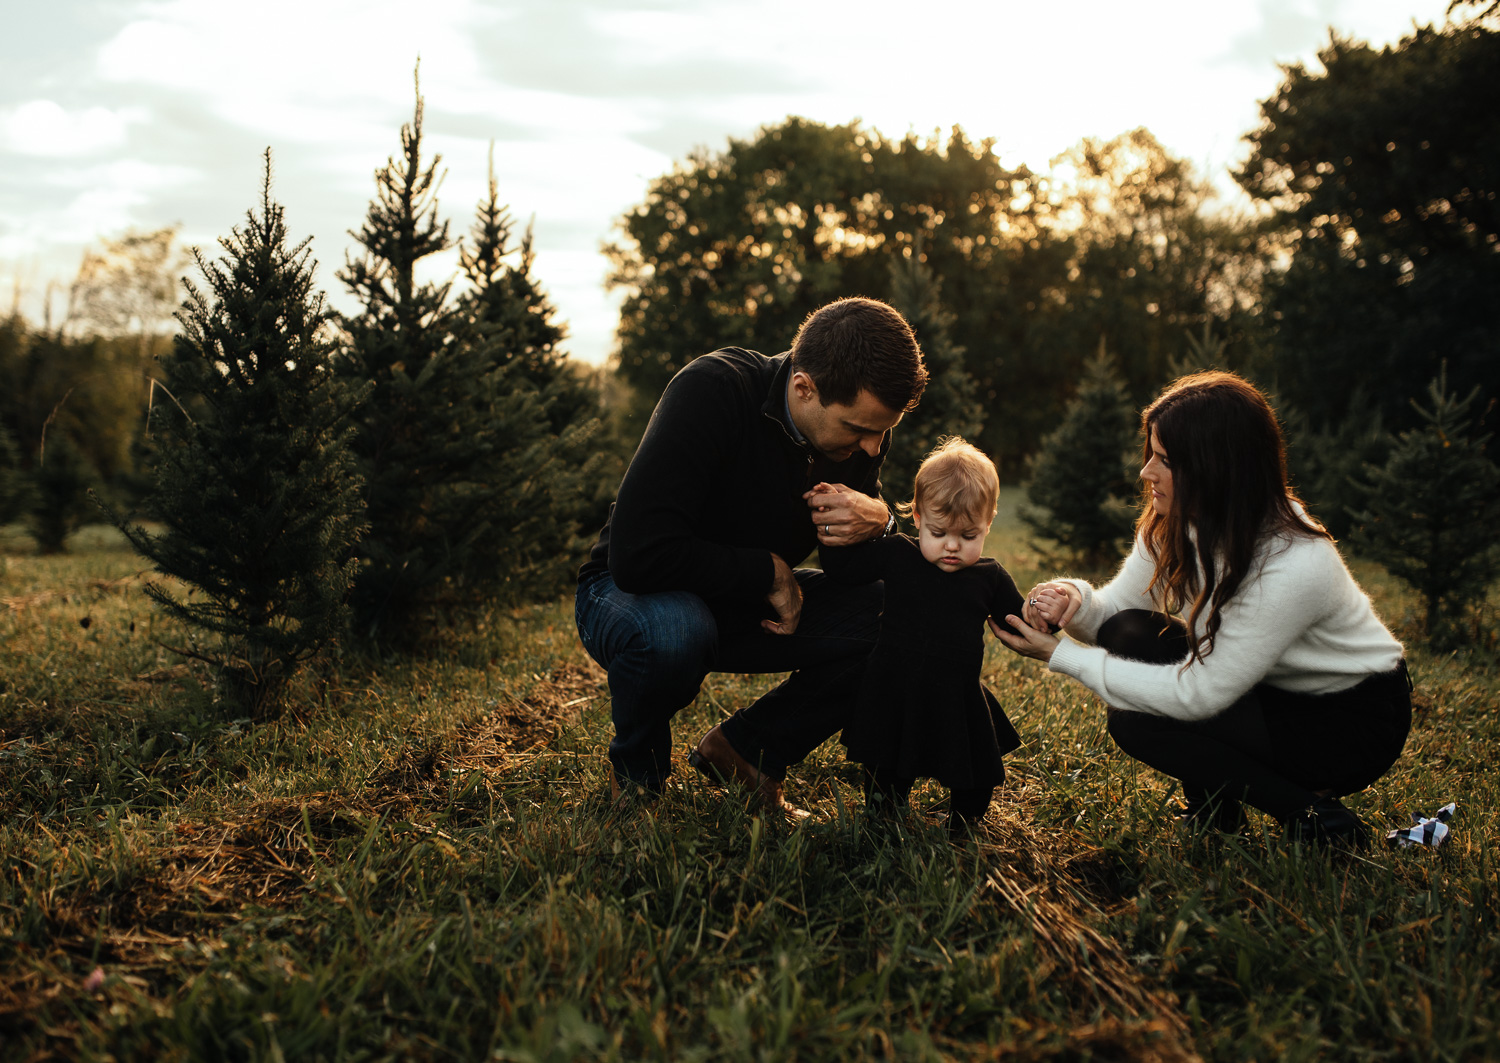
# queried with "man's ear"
point(803, 388)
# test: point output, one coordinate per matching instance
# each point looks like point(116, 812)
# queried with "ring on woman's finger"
point(825, 530)
point(1033, 601)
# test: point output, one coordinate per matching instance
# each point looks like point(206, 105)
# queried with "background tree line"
point(1030, 269)
point(72, 408)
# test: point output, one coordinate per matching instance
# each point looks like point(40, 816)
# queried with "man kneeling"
point(693, 571)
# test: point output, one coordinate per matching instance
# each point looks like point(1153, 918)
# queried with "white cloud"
point(576, 278)
point(44, 129)
point(325, 71)
point(567, 176)
point(104, 202)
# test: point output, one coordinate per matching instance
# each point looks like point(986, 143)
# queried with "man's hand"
point(785, 598)
point(845, 516)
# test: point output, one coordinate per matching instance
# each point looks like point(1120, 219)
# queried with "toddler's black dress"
point(922, 712)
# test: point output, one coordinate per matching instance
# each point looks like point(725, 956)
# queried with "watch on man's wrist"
point(890, 525)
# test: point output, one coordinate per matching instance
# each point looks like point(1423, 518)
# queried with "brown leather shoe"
point(720, 761)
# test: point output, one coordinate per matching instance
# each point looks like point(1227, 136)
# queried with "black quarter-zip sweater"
point(715, 488)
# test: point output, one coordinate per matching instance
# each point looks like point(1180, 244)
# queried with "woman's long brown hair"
point(1228, 461)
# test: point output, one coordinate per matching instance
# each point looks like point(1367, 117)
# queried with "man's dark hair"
point(858, 344)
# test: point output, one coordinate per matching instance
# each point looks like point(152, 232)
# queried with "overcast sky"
point(142, 113)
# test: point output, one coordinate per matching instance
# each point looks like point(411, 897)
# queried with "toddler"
point(922, 711)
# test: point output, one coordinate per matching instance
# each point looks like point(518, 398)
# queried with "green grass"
point(420, 861)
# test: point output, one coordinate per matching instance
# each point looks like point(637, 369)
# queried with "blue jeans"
point(657, 649)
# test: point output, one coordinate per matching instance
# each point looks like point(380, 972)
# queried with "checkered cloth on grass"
point(1429, 830)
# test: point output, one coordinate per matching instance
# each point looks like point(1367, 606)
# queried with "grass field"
point(420, 862)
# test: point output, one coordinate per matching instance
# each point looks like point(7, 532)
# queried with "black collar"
point(777, 406)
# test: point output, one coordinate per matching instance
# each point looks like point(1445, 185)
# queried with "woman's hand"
point(1025, 639)
point(1052, 606)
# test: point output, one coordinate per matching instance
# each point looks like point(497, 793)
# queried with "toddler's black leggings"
point(1274, 749)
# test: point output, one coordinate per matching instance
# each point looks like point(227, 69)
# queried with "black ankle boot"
point(1327, 822)
point(1206, 811)
point(1226, 817)
point(885, 796)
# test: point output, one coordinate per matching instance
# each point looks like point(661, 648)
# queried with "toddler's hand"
point(1050, 606)
point(844, 516)
point(819, 498)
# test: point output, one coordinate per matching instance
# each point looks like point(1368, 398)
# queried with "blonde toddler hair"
point(956, 480)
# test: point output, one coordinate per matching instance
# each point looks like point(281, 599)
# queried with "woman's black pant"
point(1274, 749)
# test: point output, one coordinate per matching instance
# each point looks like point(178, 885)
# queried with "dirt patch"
point(1050, 877)
point(514, 727)
point(1109, 1039)
point(415, 773)
point(518, 725)
point(200, 873)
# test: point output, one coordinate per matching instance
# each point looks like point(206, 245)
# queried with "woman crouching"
point(1234, 649)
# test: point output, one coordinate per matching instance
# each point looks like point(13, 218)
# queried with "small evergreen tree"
point(949, 406)
point(60, 494)
point(1203, 351)
point(1326, 464)
point(254, 478)
point(1430, 512)
point(1082, 477)
point(446, 436)
point(545, 475)
point(506, 303)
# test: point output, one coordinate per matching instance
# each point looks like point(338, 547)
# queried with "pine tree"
point(506, 303)
point(546, 476)
point(1327, 464)
point(1430, 512)
point(59, 495)
point(254, 478)
point(949, 405)
point(1203, 351)
point(1081, 479)
point(449, 442)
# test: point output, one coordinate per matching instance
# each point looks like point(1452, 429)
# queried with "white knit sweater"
point(1298, 622)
